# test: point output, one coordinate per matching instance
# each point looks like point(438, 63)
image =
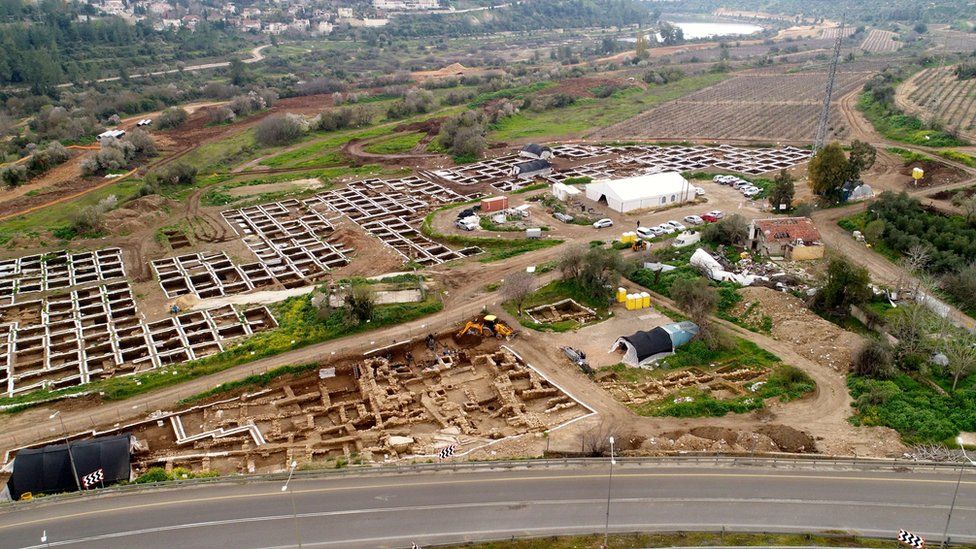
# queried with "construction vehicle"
point(638, 245)
point(489, 326)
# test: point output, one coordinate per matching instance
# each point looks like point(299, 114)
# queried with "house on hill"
point(531, 168)
point(536, 152)
point(795, 238)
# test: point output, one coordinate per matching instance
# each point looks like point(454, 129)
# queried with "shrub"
point(732, 230)
point(278, 130)
point(142, 142)
point(873, 359)
point(172, 117)
point(13, 176)
point(174, 174)
point(152, 475)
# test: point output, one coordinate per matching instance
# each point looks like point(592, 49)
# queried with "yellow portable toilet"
point(917, 174)
point(621, 295)
point(646, 300)
point(631, 302)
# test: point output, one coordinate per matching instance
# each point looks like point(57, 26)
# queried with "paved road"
point(393, 510)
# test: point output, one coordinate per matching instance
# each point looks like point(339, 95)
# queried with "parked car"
point(657, 231)
point(645, 232)
point(676, 225)
point(468, 223)
point(603, 223)
point(563, 217)
point(686, 238)
point(693, 220)
point(741, 183)
point(667, 229)
point(709, 218)
point(717, 214)
point(751, 192)
point(699, 191)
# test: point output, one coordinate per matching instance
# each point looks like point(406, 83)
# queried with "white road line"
point(478, 505)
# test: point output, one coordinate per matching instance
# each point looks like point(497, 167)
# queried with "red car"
point(709, 218)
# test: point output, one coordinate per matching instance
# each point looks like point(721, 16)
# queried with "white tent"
point(642, 191)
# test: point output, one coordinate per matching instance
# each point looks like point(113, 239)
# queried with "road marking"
point(455, 482)
point(482, 505)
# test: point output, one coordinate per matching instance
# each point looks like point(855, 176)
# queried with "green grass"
point(298, 326)
point(321, 149)
point(959, 157)
point(898, 126)
point(58, 216)
point(914, 409)
point(557, 290)
point(783, 382)
point(857, 222)
point(224, 154)
point(907, 155)
point(586, 114)
point(256, 380)
point(396, 144)
point(682, 539)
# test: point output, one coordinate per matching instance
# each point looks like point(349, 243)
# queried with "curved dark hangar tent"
point(643, 347)
point(47, 470)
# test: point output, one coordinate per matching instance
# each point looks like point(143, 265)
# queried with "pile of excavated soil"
point(767, 438)
point(813, 337)
point(138, 214)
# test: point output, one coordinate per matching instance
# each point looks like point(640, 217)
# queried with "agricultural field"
point(936, 94)
point(880, 41)
point(832, 32)
point(748, 107)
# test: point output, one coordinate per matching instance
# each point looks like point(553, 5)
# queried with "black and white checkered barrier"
point(447, 452)
point(92, 479)
point(911, 539)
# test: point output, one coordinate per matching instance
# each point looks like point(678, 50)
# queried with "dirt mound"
point(583, 87)
point(431, 126)
point(768, 438)
point(789, 439)
point(936, 173)
point(813, 337)
point(138, 214)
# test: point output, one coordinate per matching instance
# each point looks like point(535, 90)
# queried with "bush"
point(172, 117)
point(873, 359)
point(13, 176)
point(732, 230)
point(413, 102)
point(345, 117)
point(142, 142)
point(174, 174)
point(153, 475)
point(278, 130)
point(464, 135)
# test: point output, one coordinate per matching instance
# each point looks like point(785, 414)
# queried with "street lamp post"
point(294, 510)
point(67, 442)
point(955, 493)
point(606, 527)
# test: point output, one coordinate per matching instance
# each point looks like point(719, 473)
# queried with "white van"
point(686, 238)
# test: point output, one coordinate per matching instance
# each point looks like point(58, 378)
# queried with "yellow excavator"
point(488, 326)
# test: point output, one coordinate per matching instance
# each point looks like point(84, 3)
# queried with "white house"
point(565, 192)
point(640, 192)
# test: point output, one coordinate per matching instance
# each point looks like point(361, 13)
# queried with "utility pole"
point(606, 528)
point(67, 442)
point(962, 468)
point(821, 138)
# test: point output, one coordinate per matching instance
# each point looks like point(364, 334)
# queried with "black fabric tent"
point(47, 470)
point(641, 347)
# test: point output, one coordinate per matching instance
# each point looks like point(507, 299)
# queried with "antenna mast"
point(825, 112)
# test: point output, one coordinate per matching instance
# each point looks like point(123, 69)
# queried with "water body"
point(710, 30)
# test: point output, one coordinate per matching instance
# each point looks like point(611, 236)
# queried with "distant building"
point(324, 27)
point(345, 13)
point(536, 151)
point(275, 28)
point(795, 238)
point(250, 25)
point(531, 168)
point(641, 192)
point(405, 5)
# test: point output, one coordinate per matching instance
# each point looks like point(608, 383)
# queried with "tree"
point(600, 272)
point(237, 72)
point(782, 191)
point(962, 283)
point(671, 34)
point(640, 48)
point(873, 359)
point(844, 285)
point(862, 157)
point(698, 299)
point(909, 325)
point(874, 230)
point(361, 302)
point(277, 130)
point(732, 230)
point(172, 174)
point(571, 261)
point(967, 205)
point(961, 352)
point(828, 171)
point(464, 135)
point(517, 287)
point(171, 118)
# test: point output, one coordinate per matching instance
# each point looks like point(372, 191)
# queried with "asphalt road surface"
point(393, 510)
